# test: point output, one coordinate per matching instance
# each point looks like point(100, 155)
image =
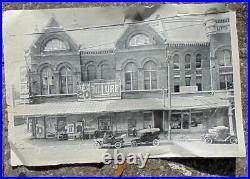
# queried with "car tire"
point(156, 142)
point(209, 140)
point(134, 144)
point(233, 140)
point(118, 145)
point(99, 145)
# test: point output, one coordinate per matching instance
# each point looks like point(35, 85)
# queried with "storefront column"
point(169, 125)
point(34, 127)
point(163, 121)
point(230, 118)
point(153, 119)
point(44, 122)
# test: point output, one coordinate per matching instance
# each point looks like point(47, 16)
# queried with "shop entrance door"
point(158, 120)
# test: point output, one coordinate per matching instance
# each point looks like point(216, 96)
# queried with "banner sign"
point(99, 90)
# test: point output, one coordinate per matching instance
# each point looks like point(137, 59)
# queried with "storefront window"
point(176, 121)
point(131, 123)
point(148, 120)
point(226, 82)
point(150, 76)
point(66, 81)
point(61, 124)
point(176, 84)
point(131, 77)
point(104, 124)
point(47, 80)
point(188, 61)
point(185, 123)
point(196, 119)
point(51, 125)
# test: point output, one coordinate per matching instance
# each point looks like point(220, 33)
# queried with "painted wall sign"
point(99, 90)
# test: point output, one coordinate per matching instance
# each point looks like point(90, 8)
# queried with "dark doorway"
point(158, 120)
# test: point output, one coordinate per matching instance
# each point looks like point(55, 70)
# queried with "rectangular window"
point(176, 84)
point(196, 119)
point(226, 82)
point(176, 88)
point(199, 83)
point(176, 121)
point(188, 81)
point(148, 117)
point(131, 81)
point(150, 80)
point(185, 122)
point(105, 124)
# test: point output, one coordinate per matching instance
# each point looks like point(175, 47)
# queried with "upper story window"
point(66, 81)
point(225, 58)
point(188, 61)
point(131, 77)
point(106, 72)
point(176, 61)
point(150, 76)
point(91, 72)
point(47, 79)
point(139, 39)
point(55, 45)
point(198, 61)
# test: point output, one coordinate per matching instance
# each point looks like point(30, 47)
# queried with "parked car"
point(147, 136)
point(109, 140)
point(219, 134)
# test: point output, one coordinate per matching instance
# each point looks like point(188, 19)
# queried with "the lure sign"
point(100, 90)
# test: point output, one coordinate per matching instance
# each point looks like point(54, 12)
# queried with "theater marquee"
point(99, 90)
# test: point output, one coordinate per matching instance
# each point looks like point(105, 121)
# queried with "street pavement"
point(49, 151)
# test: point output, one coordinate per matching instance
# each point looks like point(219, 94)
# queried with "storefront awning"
point(122, 105)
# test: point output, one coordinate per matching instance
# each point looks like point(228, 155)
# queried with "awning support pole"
point(230, 118)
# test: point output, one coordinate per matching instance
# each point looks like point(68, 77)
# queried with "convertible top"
point(149, 130)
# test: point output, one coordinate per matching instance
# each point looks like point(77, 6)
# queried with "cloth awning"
point(120, 105)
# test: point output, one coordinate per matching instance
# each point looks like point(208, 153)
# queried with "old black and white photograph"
point(160, 81)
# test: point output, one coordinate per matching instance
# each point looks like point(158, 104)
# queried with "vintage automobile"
point(219, 134)
point(109, 141)
point(147, 136)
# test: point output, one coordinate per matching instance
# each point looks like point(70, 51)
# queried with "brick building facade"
point(145, 58)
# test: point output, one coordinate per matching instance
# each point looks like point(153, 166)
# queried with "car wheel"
point(99, 145)
point(208, 140)
point(134, 144)
point(233, 140)
point(118, 145)
point(156, 142)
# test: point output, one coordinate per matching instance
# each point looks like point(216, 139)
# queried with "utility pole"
point(168, 58)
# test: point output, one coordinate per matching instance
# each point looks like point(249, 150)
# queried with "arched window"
point(54, 45)
point(176, 61)
point(131, 77)
point(91, 72)
point(188, 61)
point(225, 58)
point(47, 86)
point(66, 80)
point(150, 75)
point(198, 60)
point(139, 39)
point(106, 72)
